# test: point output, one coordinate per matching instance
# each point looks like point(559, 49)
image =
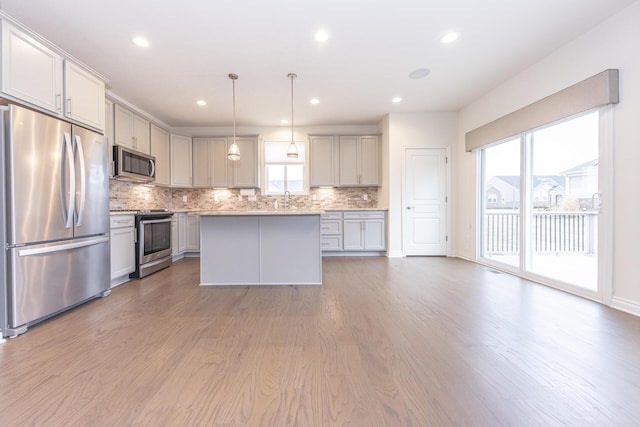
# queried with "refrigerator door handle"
point(63, 247)
point(67, 210)
point(83, 186)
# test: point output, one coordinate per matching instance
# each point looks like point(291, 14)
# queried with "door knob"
point(409, 208)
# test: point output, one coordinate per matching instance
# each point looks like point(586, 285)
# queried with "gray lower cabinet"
point(185, 234)
point(357, 231)
point(193, 233)
point(178, 235)
point(122, 237)
point(331, 231)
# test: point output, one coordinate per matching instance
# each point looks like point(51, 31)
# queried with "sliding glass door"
point(501, 219)
point(563, 202)
point(541, 203)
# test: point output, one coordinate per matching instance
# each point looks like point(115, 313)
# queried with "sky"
point(556, 148)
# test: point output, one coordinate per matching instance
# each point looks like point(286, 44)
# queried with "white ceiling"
point(373, 46)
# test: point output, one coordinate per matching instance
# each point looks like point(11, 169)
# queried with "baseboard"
point(119, 281)
point(455, 254)
point(351, 253)
point(395, 254)
point(626, 306)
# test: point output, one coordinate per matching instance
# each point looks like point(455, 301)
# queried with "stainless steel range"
point(153, 243)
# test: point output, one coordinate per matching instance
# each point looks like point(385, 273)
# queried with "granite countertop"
point(123, 212)
point(259, 212)
point(354, 209)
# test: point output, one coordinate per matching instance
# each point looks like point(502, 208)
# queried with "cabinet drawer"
point(331, 243)
point(332, 215)
point(364, 215)
point(329, 227)
point(121, 221)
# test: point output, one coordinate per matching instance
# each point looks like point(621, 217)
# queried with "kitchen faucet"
point(286, 193)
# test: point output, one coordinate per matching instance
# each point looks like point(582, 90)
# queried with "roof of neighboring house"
point(582, 168)
point(514, 180)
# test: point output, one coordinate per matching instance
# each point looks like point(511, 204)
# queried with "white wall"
point(613, 44)
point(278, 133)
point(411, 130)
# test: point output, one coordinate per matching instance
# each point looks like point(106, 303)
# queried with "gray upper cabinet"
point(161, 150)
point(31, 71)
point(369, 160)
point(131, 130)
point(323, 161)
point(84, 96)
point(210, 162)
point(202, 163)
point(212, 169)
point(243, 173)
point(359, 161)
point(37, 73)
point(181, 161)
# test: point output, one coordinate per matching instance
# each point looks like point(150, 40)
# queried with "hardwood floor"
point(384, 342)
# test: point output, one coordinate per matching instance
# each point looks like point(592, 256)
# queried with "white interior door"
point(425, 202)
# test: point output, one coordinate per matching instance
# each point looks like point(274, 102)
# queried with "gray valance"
point(596, 91)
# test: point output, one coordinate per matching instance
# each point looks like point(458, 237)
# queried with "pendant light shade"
point(292, 151)
point(234, 150)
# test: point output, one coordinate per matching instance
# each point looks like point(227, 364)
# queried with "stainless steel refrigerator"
point(56, 216)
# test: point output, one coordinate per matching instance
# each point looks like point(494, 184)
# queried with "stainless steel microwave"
point(131, 165)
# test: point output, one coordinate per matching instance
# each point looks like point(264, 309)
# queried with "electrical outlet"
point(314, 197)
point(240, 198)
point(184, 198)
point(365, 197)
point(146, 197)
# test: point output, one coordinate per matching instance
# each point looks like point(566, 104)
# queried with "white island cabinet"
point(260, 248)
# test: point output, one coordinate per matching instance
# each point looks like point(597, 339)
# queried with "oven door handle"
point(154, 221)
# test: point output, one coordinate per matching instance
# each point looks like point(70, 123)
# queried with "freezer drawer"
point(48, 278)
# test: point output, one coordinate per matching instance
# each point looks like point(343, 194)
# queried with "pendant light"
point(292, 151)
point(234, 150)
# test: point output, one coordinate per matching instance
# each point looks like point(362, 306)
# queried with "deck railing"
point(551, 232)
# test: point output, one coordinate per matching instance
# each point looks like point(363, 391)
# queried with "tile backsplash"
point(126, 195)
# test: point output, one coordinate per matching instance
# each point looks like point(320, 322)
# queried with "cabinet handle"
point(69, 106)
point(58, 102)
point(134, 141)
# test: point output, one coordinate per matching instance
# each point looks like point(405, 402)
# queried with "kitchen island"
point(260, 248)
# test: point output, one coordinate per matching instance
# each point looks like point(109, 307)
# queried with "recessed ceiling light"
point(201, 102)
point(284, 121)
point(315, 101)
point(396, 100)
point(449, 37)
point(141, 41)
point(419, 73)
point(321, 36)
